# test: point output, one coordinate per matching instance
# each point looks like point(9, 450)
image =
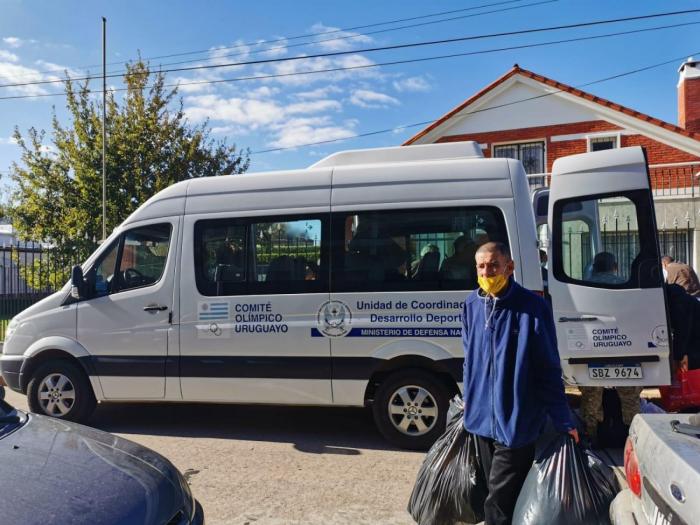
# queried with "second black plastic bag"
point(450, 485)
point(567, 485)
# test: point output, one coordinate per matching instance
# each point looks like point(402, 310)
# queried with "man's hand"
point(574, 434)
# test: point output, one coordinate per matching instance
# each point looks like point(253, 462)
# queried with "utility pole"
point(104, 128)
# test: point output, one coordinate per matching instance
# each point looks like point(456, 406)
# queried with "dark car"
point(54, 471)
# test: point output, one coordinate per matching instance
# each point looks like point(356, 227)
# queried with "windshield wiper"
point(682, 428)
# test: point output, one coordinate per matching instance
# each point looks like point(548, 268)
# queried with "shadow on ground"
point(318, 430)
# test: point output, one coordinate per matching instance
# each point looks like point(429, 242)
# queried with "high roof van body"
point(342, 284)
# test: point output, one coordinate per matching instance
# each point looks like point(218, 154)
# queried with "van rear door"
point(605, 275)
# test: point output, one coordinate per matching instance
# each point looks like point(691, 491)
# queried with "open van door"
point(605, 275)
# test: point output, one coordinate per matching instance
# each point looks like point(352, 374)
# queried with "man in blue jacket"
point(512, 377)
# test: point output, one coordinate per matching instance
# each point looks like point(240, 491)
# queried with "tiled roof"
point(517, 70)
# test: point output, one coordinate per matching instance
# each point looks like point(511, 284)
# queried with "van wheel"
point(410, 409)
point(62, 390)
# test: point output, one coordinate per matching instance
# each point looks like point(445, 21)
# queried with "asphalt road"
point(273, 465)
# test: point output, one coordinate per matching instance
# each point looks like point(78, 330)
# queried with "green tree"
point(56, 193)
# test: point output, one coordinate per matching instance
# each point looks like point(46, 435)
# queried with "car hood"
point(54, 471)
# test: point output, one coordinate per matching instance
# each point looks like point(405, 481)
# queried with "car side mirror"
point(77, 288)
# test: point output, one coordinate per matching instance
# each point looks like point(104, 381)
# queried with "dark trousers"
point(505, 469)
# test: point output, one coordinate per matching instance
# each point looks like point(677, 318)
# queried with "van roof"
point(444, 151)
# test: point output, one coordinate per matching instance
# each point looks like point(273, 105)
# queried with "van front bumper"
point(10, 369)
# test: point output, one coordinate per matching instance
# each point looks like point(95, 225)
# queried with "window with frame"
point(602, 143)
point(408, 250)
point(530, 154)
point(606, 241)
point(135, 260)
point(261, 255)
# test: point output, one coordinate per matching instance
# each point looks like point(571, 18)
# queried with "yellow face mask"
point(493, 285)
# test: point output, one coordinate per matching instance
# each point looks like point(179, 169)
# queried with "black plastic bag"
point(450, 485)
point(567, 485)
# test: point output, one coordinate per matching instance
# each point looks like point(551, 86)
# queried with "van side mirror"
point(77, 281)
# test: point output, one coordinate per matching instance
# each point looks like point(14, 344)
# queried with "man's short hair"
point(667, 259)
point(495, 247)
point(604, 262)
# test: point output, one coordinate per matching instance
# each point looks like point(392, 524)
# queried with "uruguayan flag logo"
point(218, 311)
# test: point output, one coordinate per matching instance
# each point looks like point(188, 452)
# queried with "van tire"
point(67, 388)
point(414, 400)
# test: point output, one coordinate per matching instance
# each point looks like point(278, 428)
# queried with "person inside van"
point(427, 267)
point(604, 269)
point(460, 266)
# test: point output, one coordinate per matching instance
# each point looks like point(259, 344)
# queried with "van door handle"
point(577, 319)
point(154, 308)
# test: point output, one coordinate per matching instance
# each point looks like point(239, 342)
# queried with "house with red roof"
point(536, 119)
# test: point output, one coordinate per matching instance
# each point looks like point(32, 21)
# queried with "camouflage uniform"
point(592, 405)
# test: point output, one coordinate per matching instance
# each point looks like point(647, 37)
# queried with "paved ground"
point(270, 465)
point(275, 465)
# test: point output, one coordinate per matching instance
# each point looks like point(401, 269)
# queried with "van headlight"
point(11, 327)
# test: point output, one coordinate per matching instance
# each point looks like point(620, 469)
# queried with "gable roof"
point(634, 119)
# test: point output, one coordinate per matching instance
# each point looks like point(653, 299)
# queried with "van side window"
point(408, 250)
point(220, 257)
point(138, 256)
point(606, 241)
point(101, 276)
point(143, 256)
point(265, 255)
point(287, 252)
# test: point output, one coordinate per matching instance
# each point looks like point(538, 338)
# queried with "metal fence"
point(28, 273)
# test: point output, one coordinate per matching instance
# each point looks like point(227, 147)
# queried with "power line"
point(380, 64)
point(334, 31)
point(383, 48)
point(315, 42)
point(308, 35)
point(506, 104)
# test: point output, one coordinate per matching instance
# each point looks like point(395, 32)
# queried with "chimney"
point(689, 95)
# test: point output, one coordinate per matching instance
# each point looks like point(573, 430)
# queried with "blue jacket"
point(512, 373)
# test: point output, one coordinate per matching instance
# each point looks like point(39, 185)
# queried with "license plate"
point(615, 371)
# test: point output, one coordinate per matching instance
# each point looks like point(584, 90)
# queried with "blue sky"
point(41, 39)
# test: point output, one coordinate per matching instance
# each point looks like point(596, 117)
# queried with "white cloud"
point(9, 141)
point(6, 55)
point(276, 48)
point(365, 98)
point(318, 92)
point(250, 112)
point(263, 92)
point(14, 41)
point(247, 112)
point(411, 84)
point(317, 106)
point(58, 68)
point(296, 133)
point(337, 40)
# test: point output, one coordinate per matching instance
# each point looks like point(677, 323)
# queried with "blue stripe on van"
point(398, 331)
point(277, 367)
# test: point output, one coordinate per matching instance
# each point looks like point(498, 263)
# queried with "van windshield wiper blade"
point(682, 428)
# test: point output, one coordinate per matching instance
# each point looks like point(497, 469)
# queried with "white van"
point(342, 284)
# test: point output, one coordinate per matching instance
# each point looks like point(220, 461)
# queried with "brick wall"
point(689, 104)
point(657, 152)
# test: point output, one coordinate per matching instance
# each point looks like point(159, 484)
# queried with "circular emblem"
point(660, 335)
point(334, 319)
point(215, 329)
